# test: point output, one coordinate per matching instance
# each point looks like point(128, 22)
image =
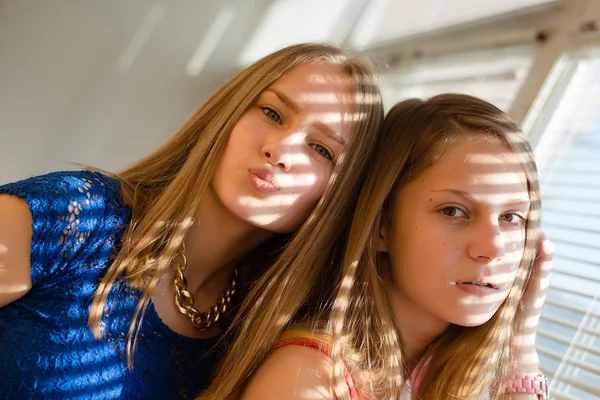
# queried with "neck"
point(417, 328)
point(215, 242)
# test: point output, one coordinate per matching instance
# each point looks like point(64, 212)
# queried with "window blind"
point(569, 332)
point(495, 76)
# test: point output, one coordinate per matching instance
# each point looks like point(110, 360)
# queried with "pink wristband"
point(532, 384)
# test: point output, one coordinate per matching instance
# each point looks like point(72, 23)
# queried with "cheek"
point(306, 196)
point(309, 196)
point(424, 257)
point(311, 181)
point(245, 134)
point(507, 275)
point(233, 149)
point(405, 253)
point(428, 241)
point(514, 248)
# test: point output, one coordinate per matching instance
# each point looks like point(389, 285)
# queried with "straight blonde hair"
point(288, 287)
point(464, 362)
point(164, 189)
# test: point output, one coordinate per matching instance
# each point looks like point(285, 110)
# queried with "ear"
point(382, 239)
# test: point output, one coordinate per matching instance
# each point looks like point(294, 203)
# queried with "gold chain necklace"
point(184, 300)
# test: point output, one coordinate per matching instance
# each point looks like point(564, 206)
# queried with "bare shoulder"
point(291, 372)
point(15, 248)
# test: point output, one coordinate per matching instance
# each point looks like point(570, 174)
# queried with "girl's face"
point(282, 151)
point(457, 234)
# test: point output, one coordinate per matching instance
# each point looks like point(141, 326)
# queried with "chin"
point(473, 320)
point(275, 218)
point(271, 223)
point(281, 223)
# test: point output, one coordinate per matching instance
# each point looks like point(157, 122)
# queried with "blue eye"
point(322, 151)
point(453, 212)
point(271, 114)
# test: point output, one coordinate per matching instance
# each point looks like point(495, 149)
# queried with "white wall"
point(104, 82)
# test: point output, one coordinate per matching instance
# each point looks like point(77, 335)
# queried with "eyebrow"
point(291, 104)
point(470, 197)
point(329, 132)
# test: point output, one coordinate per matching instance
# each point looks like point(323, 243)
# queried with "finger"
point(544, 248)
point(540, 279)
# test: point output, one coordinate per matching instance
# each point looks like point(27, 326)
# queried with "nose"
point(488, 243)
point(280, 150)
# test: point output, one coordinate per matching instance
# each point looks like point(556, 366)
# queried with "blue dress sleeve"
point(72, 218)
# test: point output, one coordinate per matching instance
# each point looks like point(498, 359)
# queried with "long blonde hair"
point(464, 362)
point(164, 189)
point(278, 295)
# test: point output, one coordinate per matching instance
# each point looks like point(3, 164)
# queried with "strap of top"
point(323, 348)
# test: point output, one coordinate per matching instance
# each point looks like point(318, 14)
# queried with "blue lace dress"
point(46, 349)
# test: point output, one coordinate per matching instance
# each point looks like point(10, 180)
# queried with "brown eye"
point(453, 212)
point(512, 218)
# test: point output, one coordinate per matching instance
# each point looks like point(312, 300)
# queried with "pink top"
point(354, 393)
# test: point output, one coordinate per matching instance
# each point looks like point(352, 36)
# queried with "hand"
point(532, 302)
point(537, 287)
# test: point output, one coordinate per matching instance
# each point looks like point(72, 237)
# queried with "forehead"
point(486, 169)
point(318, 85)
